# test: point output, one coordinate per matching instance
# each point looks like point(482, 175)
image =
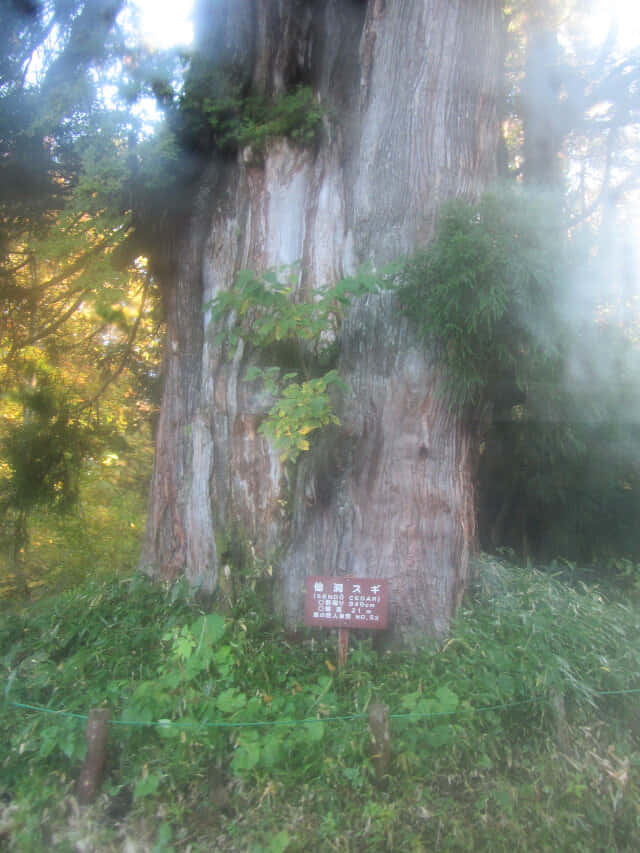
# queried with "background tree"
point(558, 474)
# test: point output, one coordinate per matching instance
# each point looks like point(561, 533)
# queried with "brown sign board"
point(345, 602)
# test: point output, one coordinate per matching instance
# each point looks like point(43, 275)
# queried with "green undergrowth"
point(480, 759)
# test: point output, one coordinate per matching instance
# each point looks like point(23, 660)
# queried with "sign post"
point(346, 603)
point(343, 646)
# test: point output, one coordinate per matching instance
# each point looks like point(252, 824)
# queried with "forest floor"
point(520, 732)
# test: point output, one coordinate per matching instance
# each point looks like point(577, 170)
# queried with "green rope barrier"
point(418, 715)
point(53, 711)
point(616, 692)
point(244, 724)
point(204, 724)
point(305, 721)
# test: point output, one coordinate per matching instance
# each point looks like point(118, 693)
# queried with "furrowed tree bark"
point(410, 92)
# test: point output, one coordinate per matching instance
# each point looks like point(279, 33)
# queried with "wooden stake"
point(91, 776)
point(559, 714)
point(380, 740)
point(343, 646)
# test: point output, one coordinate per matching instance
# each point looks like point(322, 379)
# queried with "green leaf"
point(230, 701)
point(440, 735)
point(253, 373)
point(271, 749)
point(208, 629)
point(447, 699)
point(183, 646)
point(280, 842)
point(146, 786)
point(314, 732)
point(247, 752)
point(163, 839)
point(408, 701)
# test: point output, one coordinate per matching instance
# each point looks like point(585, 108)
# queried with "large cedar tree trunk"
point(410, 91)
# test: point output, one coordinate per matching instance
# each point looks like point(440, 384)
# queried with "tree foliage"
point(43, 451)
point(571, 109)
point(80, 331)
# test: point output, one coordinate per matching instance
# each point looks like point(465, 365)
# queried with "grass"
point(476, 759)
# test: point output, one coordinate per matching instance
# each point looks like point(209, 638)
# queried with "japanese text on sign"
point(335, 602)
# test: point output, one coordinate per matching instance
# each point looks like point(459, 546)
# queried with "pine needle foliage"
point(43, 453)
